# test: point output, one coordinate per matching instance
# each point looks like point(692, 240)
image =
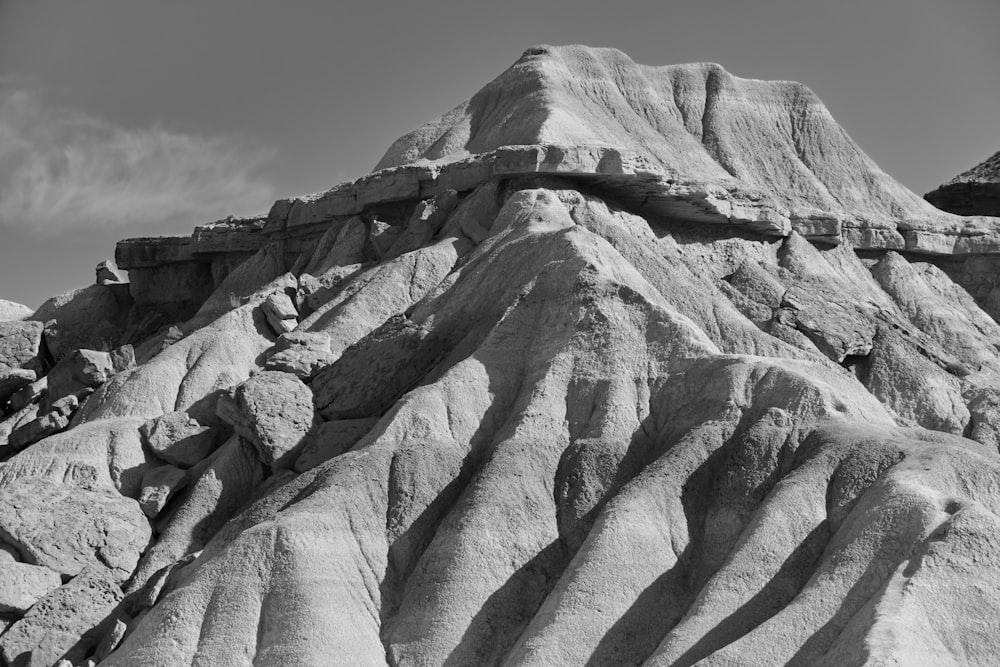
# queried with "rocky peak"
point(973, 192)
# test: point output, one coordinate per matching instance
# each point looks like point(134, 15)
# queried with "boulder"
point(180, 439)
point(21, 585)
point(38, 429)
point(158, 485)
point(70, 529)
point(13, 380)
point(280, 312)
point(80, 370)
point(219, 487)
point(91, 317)
point(15, 421)
point(273, 411)
point(20, 344)
point(67, 623)
point(301, 353)
point(29, 394)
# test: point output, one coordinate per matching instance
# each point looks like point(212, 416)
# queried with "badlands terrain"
point(609, 365)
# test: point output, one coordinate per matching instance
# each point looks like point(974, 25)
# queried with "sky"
point(125, 118)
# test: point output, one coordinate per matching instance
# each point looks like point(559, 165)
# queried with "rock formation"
point(611, 364)
point(973, 192)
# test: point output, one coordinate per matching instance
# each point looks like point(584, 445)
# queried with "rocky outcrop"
point(973, 192)
point(610, 365)
point(11, 311)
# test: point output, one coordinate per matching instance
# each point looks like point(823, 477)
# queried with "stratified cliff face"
point(555, 387)
point(973, 192)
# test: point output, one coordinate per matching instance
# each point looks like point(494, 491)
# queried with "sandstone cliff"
point(609, 365)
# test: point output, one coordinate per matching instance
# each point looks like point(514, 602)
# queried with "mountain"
point(611, 364)
point(973, 192)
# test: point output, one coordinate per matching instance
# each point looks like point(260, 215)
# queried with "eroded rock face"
point(572, 388)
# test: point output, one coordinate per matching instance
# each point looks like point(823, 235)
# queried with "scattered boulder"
point(180, 439)
point(13, 380)
point(86, 369)
point(331, 439)
point(15, 421)
point(20, 344)
point(301, 353)
point(91, 317)
point(29, 394)
point(69, 529)
point(280, 312)
point(67, 623)
point(38, 429)
point(273, 411)
point(21, 585)
point(158, 485)
point(220, 486)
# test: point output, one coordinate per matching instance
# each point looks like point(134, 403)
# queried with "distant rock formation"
point(973, 192)
point(610, 365)
point(11, 311)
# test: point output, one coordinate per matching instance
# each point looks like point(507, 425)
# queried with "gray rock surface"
point(179, 439)
point(274, 412)
point(20, 344)
point(158, 485)
point(65, 624)
point(11, 311)
point(618, 365)
point(21, 585)
point(70, 529)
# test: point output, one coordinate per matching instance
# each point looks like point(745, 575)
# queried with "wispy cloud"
point(61, 168)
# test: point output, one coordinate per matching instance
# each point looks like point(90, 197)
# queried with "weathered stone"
point(280, 312)
point(86, 369)
point(425, 222)
point(331, 439)
point(178, 438)
point(65, 624)
point(107, 272)
point(273, 411)
point(301, 353)
point(382, 237)
point(29, 394)
point(69, 529)
point(21, 585)
point(13, 380)
point(219, 486)
point(20, 344)
point(11, 311)
point(110, 641)
point(91, 318)
point(38, 429)
point(158, 485)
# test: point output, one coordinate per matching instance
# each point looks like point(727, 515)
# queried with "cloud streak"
point(61, 169)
